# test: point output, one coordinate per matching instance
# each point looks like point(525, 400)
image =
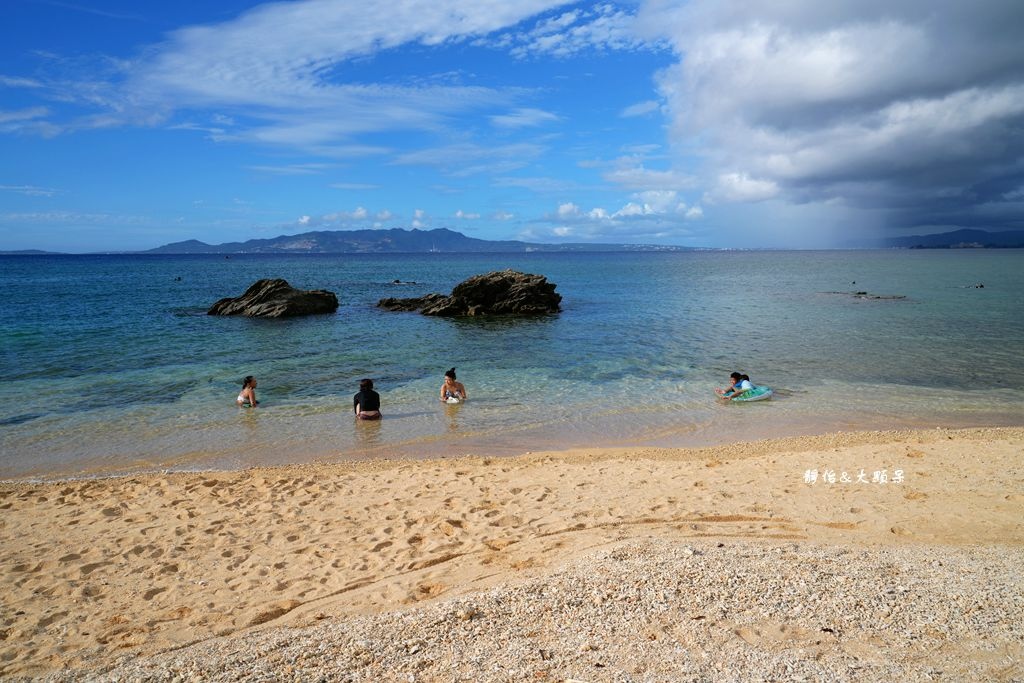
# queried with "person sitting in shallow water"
point(247, 397)
point(366, 403)
point(452, 391)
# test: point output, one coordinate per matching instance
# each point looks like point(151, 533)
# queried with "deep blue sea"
point(110, 365)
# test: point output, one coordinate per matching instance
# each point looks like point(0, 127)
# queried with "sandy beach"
point(848, 556)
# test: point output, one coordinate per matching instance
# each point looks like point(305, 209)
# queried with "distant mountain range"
point(961, 239)
point(395, 240)
point(398, 240)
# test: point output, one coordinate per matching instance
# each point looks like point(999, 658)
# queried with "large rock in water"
point(506, 292)
point(276, 299)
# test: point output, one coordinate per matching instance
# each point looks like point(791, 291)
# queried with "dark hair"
point(247, 381)
point(365, 384)
point(736, 376)
point(450, 373)
point(744, 378)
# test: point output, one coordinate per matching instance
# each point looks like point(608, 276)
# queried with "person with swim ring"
point(452, 391)
point(733, 378)
point(367, 402)
point(739, 385)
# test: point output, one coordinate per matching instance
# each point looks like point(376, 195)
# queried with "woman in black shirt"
point(367, 402)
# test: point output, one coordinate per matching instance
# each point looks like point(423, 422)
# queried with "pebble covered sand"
point(643, 565)
point(657, 611)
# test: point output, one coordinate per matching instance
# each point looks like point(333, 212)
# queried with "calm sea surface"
point(108, 364)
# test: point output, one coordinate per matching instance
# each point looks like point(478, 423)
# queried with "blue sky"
point(127, 125)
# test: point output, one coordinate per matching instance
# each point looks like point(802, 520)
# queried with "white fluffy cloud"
point(739, 187)
point(359, 217)
point(298, 42)
point(567, 209)
point(602, 26)
point(277, 65)
point(653, 214)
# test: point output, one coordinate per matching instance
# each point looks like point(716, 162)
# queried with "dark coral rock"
point(275, 298)
point(506, 292)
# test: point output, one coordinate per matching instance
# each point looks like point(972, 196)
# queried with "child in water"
point(738, 385)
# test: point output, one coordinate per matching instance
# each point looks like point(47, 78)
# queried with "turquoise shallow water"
point(110, 365)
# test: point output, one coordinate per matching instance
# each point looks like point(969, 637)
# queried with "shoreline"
point(303, 455)
point(139, 565)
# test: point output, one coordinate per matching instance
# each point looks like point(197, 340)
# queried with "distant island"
point(415, 241)
point(961, 239)
point(391, 241)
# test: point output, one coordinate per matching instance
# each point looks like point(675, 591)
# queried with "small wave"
point(21, 419)
point(189, 312)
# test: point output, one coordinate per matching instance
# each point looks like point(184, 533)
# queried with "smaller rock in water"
point(275, 298)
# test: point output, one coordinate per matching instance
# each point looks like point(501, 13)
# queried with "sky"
point(724, 123)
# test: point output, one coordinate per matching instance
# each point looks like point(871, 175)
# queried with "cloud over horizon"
point(912, 109)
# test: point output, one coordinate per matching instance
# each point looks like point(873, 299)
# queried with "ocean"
point(111, 366)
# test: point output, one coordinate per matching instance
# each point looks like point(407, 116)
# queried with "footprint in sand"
point(152, 593)
point(49, 619)
point(450, 527)
point(508, 520)
point(87, 569)
point(90, 592)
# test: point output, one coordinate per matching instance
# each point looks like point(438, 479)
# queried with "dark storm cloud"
point(912, 108)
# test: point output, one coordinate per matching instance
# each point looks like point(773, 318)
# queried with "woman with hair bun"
point(247, 396)
point(452, 391)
